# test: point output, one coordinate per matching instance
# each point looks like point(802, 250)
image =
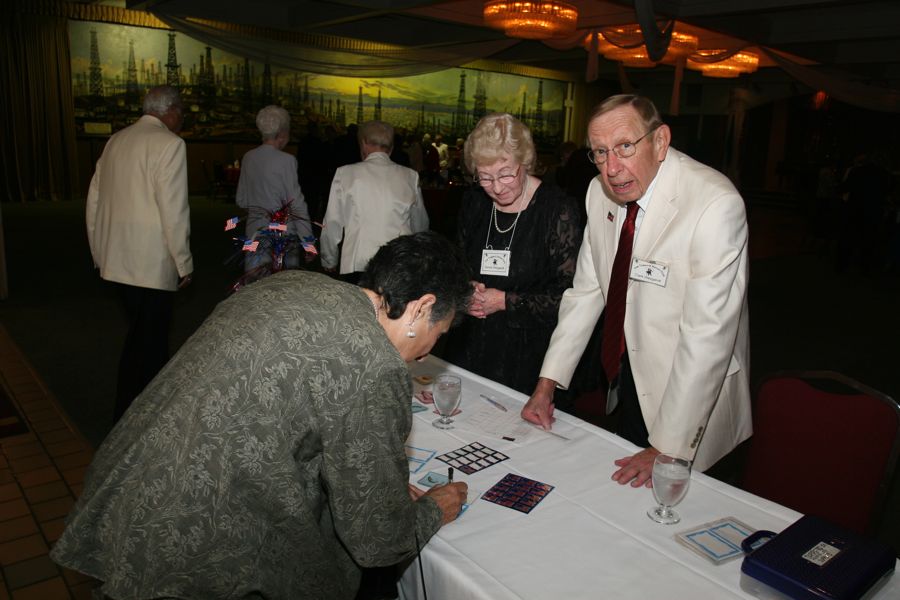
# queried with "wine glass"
point(447, 391)
point(671, 477)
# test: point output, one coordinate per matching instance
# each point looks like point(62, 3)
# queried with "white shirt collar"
point(644, 201)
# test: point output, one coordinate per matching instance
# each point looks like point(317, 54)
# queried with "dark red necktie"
point(614, 321)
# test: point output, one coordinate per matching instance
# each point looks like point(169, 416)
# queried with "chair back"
point(823, 444)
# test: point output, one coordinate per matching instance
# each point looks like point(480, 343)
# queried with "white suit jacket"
point(371, 202)
point(687, 340)
point(138, 219)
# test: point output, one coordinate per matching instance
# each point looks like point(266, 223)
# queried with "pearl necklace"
point(518, 214)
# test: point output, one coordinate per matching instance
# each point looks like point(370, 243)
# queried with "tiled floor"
point(40, 476)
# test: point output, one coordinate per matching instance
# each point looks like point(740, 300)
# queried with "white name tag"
point(495, 262)
point(649, 271)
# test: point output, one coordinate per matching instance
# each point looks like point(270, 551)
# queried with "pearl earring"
point(411, 334)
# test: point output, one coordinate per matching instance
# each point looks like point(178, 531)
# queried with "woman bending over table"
point(266, 460)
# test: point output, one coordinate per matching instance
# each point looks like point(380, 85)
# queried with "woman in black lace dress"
point(521, 239)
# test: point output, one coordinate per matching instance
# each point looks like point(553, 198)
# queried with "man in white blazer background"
point(138, 225)
point(371, 202)
point(680, 377)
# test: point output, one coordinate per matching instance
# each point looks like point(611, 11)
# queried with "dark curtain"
point(37, 122)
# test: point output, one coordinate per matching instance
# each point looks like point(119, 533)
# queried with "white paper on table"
point(489, 419)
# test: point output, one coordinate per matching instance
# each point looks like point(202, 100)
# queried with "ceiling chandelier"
point(681, 44)
point(634, 57)
point(534, 20)
point(628, 56)
point(730, 67)
point(625, 43)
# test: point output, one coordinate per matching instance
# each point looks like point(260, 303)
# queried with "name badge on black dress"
point(495, 262)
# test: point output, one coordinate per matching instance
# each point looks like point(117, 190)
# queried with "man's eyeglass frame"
point(618, 149)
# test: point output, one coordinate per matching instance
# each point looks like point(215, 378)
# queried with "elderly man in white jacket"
point(676, 337)
point(371, 202)
point(138, 226)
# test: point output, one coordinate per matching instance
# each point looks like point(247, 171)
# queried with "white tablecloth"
point(590, 537)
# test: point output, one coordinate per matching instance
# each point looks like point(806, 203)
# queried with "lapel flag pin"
point(610, 217)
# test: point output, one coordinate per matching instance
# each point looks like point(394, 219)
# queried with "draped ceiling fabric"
point(656, 41)
point(839, 86)
point(327, 54)
point(332, 55)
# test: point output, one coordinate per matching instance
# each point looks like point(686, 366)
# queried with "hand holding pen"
point(449, 497)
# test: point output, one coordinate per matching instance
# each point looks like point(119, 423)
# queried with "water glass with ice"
point(671, 478)
point(447, 392)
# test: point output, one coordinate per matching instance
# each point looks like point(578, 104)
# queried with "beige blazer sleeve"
point(172, 201)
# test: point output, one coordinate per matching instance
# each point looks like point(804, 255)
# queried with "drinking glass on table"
point(447, 392)
point(671, 478)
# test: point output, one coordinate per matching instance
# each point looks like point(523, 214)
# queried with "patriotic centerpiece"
point(269, 247)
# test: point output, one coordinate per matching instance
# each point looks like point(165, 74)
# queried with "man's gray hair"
point(160, 99)
point(377, 133)
point(272, 120)
point(644, 107)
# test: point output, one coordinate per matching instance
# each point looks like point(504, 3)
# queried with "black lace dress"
point(508, 346)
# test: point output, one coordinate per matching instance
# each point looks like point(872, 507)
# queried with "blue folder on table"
point(817, 560)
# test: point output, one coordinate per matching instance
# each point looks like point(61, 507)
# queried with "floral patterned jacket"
point(265, 460)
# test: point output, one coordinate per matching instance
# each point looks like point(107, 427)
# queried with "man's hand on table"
point(636, 469)
point(539, 408)
point(449, 498)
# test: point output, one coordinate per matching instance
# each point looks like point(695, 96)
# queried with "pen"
point(494, 402)
point(559, 435)
point(450, 474)
point(553, 433)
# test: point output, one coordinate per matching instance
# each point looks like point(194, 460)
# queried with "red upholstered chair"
point(823, 444)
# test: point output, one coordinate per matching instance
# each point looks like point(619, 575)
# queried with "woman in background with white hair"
point(268, 183)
